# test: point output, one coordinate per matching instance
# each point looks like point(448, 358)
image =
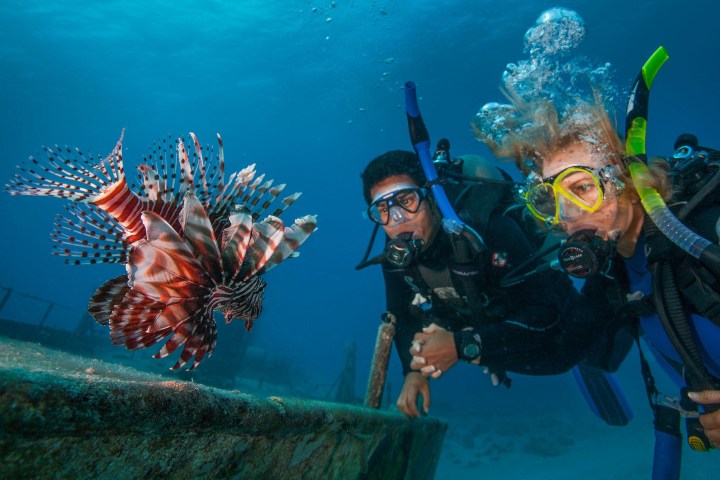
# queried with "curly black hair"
point(394, 162)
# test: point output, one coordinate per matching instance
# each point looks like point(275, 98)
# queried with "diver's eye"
point(409, 201)
point(584, 188)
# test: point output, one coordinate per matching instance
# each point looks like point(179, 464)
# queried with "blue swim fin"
point(603, 394)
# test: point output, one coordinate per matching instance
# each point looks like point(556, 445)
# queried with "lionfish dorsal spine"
point(221, 165)
point(186, 170)
point(235, 188)
point(201, 167)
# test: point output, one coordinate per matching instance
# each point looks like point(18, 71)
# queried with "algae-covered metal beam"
point(63, 416)
point(381, 357)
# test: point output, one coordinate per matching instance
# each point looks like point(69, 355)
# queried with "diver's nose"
point(567, 211)
point(398, 215)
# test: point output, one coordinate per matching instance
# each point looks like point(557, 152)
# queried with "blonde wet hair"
point(537, 132)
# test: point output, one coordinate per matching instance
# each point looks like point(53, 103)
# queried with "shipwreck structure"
point(65, 416)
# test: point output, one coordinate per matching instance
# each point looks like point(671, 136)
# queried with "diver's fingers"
point(432, 328)
point(429, 370)
point(406, 403)
point(495, 380)
point(419, 360)
point(436, 374)
point(426, 402)
point(420, 338)
point(706, 396)
point(416, 346)
point(417, 363)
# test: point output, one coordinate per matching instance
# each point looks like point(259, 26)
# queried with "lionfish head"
point(246, 302)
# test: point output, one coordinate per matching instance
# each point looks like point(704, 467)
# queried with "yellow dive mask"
point(551, 199)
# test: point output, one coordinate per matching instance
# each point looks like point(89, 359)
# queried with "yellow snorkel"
point(635, 134)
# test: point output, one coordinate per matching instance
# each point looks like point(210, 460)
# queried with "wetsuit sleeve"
point(542, 336)
point(547, 326)
point(398, 296)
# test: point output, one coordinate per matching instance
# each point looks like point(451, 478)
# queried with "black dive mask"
point(584, 254)
point(402, 250)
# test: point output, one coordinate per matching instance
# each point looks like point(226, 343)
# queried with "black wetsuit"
point(539, 327)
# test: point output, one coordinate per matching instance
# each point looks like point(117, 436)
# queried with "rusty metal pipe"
point(381, 356)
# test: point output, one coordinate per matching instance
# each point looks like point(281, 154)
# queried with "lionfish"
point(191, 243)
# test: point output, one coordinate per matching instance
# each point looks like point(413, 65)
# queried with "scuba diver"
point(654, 265)
point(443, 282)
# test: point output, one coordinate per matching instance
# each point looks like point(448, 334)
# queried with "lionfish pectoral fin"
point(267, 235)
point(131, 318)
point(235, 241)
point(201, 342)
point(293, 237)
point(198, 233)
point(163, 267)
point(174, 315)
point(179, 337)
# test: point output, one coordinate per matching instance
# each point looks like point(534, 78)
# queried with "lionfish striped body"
point(191, 242)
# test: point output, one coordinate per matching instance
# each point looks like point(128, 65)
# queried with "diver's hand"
point(433, 351)
point(709, 421)
point(415, 384)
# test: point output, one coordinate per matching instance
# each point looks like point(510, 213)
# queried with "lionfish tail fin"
point(67, 173)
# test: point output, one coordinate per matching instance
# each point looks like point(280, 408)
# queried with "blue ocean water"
point(311, 91)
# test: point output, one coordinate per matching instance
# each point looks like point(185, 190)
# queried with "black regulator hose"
point(677, 326)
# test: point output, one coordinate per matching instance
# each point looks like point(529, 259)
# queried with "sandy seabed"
point(508, 446)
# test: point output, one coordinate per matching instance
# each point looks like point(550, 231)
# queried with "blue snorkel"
point(421, 143)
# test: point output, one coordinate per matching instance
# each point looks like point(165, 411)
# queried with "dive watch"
point(468, 345)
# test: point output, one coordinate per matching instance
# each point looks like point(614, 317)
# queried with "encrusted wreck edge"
point(63, 416)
